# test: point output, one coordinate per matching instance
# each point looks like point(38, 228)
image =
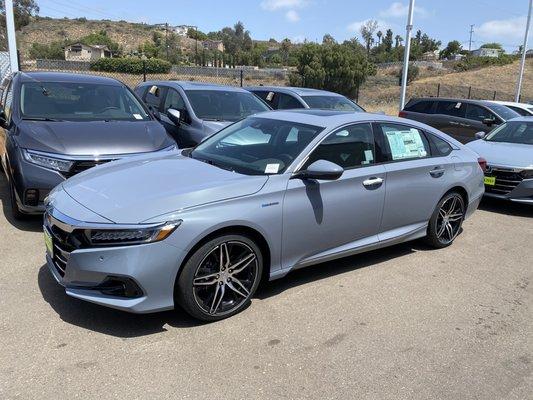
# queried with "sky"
point(500, 21)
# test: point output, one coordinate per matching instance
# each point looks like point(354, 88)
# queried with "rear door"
point(173, 99)
point(154, 96)
point(416, 171)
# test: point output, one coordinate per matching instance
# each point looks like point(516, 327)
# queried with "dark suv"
point(459, 118)
point(54, 125)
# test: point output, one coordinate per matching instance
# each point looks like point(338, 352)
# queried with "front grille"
point(64, 243)
point(80, 166)
point(506, 180)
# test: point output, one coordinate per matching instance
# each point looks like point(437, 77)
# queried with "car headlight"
point(46, 161)
point(116, 237)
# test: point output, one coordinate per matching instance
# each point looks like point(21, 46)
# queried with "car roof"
point(67, 77)
point(525, 118)
point(481, 102)
point(191, 85)
point(511, 103)
point(294, 90)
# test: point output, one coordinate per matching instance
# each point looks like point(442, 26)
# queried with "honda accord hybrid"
point(269, 194)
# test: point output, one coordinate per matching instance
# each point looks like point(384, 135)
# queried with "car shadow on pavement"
point(336, 267)
point(506, 207)
point(31, 223)
point(107, 320)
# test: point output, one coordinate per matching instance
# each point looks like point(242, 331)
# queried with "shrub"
point(479, 62)
point(132, 65)
point(52, 51)
point(412, 74)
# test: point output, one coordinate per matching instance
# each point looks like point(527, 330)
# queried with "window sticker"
point(406, 144)
point(343, 133)
point(272, 169)
point(369, 157)
point(270, 96)
point(458, 105)
point(137, 116)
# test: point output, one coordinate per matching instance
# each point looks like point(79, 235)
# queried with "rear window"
point(439, 147)
point(503, 111)
point(423, 106)
point(452, 108)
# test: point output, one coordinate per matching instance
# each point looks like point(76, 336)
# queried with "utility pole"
point(408, 30)
point(470, 40)
point(166, 38)
point(524, 50)
point(11, 38)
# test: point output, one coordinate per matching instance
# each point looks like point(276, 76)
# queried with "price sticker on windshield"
point(272, 169)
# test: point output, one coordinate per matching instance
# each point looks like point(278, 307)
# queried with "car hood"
point(211, 127)
point(134, 190)
point(504, 154)
point(93, 137)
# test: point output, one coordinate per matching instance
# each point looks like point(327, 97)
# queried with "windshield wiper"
point(42, 119)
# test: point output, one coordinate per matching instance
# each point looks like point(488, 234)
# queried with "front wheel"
point(446, 221)
point(220, 278)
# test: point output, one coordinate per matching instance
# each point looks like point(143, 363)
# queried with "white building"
point(486, 52)
point(86, 52)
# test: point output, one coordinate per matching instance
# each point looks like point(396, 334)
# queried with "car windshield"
point(512, 132)
point(79, 102)
point(256, 146)
point(221, 105)
point(331, 103)
point(504, 112)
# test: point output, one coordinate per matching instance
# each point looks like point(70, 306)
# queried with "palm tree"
point(379, 35)
point(398, 40)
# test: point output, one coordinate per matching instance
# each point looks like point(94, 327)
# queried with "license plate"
point(490, 180)
point(48, 243)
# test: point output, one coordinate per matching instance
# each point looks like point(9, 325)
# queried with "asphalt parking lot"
point(401, 323)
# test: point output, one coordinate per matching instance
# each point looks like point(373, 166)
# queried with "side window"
point(266, 96)
point(349, 147)
point(404, 142)
point(8, 102)
point(153, 96)
point(439, 147)
point(452, 108)
point(478, 113)
point(174, 100)
point(139, 91)
point(424, 107)
point(519, 110)
point(287, 102)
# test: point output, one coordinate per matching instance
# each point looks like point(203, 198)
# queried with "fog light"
point(120, 287)
point(32, 197)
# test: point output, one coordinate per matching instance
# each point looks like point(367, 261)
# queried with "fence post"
point(438, 89)
point(469, 91)
point(144, 70)
point(494, 97)
point(242, 73)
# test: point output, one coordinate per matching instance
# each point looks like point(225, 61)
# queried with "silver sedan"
point(268, 194)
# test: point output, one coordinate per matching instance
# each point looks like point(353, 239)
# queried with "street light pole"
point(409, 28)
point(11, 38)
point(524, 50)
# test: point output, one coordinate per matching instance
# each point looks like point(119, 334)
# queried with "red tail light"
point(482, 163)
point(402, 114)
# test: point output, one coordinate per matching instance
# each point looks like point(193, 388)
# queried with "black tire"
point(15, 211)
point(204, 274)
point(446, 222)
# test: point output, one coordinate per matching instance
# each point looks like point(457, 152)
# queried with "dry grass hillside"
point(381, 93)
point(47, 30)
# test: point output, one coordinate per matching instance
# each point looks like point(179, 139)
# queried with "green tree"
point(52, 51)
point(328, 39)
point(23, 11)
point(196, 34)
point(367, 33)
point(452, 48)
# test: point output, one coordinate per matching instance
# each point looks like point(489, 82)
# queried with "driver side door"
point(179, 133)
point(326, 218)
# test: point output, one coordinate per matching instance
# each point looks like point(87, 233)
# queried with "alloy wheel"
point(224, 278)
point(450, 219)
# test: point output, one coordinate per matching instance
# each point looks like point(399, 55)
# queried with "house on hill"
point(213, 45)
point(486, 52)
point(86, 52)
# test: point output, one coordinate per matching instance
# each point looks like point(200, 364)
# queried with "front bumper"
point(151, 267)
point(521, 193)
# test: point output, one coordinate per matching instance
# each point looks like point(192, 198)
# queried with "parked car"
point(459, 118)
point(55, 125)
point(286, 98)
point(508, 150)
point(192, 111)
point(269, 194)
point(523, 109)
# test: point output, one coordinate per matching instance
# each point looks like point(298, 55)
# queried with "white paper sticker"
point(272, 169)
point(270, 96)
point(369, 157)
point(137, 116)
point(458, 105)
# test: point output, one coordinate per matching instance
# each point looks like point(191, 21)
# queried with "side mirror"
point(480, 135)
point(3, 118)
point(174, 115)
point(489, 121)
point(320, 170)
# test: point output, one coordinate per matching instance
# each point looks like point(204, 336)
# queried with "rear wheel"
point(446, 221)
point(220, 278)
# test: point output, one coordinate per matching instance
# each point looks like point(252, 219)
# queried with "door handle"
point(373, 182)
point(437, 172)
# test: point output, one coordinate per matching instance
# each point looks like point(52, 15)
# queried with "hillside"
point(47, 30)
